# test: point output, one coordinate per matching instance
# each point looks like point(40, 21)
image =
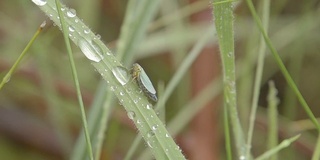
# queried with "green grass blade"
point(75, 78)
point(226, 126)
point(258, 76)
point(283, 144)
point(316, 154)
point(273, 102)
point(223, 16)
point(7, 77)
point(282, 66)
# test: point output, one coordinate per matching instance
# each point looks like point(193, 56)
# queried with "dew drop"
point(121, 101)
point(89, 50)
point(154, 127)
point(98, 36)
point(71, 29)
point(121, 74)
point(121, 93)
point(242, 157)
point(149, 144)
point(108, 53)
point(131, 114)
point(71, 13)
point(167, 135)
point(87, 31)
point(76, 20)
point(148, 106)
point(150, 134)
point(96, 47)
point(40, 2)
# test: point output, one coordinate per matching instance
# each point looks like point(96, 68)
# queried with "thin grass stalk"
point(75, 78)
point(285, 143)
point(316, 153)
point(227, 136)
point(258, 76)
point(7, 77)
point(56, 110)
point(273, 102)
point(282, 67)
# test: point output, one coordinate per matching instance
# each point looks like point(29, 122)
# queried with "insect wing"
point(146, 82)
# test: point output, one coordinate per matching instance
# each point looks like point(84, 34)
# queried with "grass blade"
point(75, 78)
point(283, 144)
point(7, 77)
point(282, 67)
point(223, 16)
point(257, 81)
point(272, 118)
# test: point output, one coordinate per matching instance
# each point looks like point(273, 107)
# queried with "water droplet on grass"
point(150, 134)
point(98, 36)
point(71, 13)
point(40, 2)
point(121, 74)
point(87, 31)
point(148, 106)
point(71, 29)
point(90, 51)
point(149, 144)
point(154, 128)
point(131, 114)
point(242, 157)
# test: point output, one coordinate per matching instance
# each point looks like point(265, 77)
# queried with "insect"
point(144, 82)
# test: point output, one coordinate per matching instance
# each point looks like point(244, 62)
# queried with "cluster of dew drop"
point(86, 41)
